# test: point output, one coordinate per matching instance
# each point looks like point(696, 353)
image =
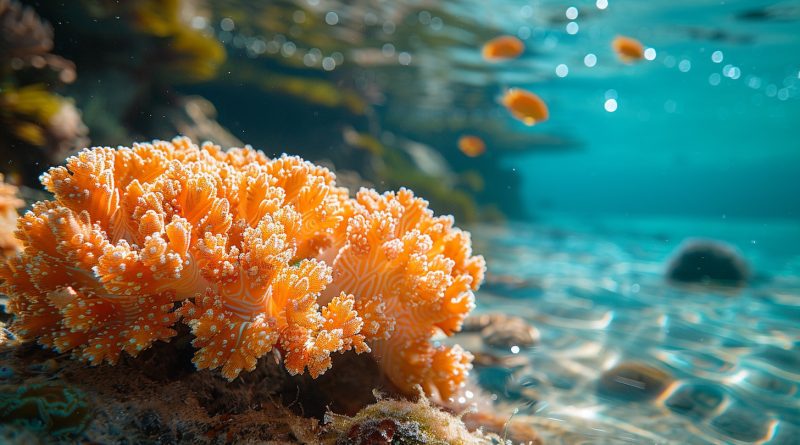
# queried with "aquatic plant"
point(46, 407)
point(253, 254)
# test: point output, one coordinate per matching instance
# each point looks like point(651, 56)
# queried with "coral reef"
point(424, 272)
point(244, 250)
point(9, 203)
point(708, 262)
point(401, 422)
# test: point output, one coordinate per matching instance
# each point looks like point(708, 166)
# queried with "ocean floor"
point(620, 356)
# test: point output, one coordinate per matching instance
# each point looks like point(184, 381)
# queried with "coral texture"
point(9, 203)
point(253, 254)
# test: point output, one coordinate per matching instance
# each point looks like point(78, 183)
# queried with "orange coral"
point(9, 203)
point(244, 249)
point(422, 271)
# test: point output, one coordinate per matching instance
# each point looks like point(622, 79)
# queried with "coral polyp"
point(253, 254)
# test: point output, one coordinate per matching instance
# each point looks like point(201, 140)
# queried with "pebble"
point(697, 401)
point(634, 381)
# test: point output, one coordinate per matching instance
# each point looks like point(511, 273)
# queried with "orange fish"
point(628, 49)
point(525, 106)
point(471, 146)
point(502, 48)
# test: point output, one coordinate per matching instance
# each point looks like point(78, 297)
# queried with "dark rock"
point(634, 381)
point(696, 401)
point(503, 331)
point(150, 423)
point(708, 262)
point(741, 423)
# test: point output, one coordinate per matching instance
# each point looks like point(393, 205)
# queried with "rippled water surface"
point(624, 357)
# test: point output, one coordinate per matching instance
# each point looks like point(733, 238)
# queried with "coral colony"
point(253, 254)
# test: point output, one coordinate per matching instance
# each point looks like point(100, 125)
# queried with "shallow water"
point(724, 365)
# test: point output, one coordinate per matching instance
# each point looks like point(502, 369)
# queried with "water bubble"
point(610, 105)
point(650, 54)
point(338, 57)
point(331, 18)
point(590, 60)
point(783, 94)
point(515, 349)
point(436, 23)
point(754, 82)
point(273, 47)
point(424, 17)
point(685, 65)
point(258, 46)
point(717, 56)
point(288, 49)
point(299, 16)
point(572, 13)
point(226, 24)
point(404, 58)
point(389, 27)
point(370, 19)
point(562, 70)
point(714, 79)
point(198, 22)
point(602, 4)
point(524, 32)
point(387, 50)
point(669, 62)
point(572, 28)
point(771, 90)
point(328, 64)
point(526, 11)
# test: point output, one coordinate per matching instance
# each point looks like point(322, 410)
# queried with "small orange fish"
point(471, 146)
point(502, 48)
point(628, 49)
point(525, 106)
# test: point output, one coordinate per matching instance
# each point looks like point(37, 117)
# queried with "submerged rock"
point(634, 381)
point(503, 331)
point(708, 262)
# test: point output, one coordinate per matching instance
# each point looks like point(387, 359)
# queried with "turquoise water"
point(704, 126)
point(595, 291)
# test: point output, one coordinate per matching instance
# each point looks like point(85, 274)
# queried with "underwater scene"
point(400, 222)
